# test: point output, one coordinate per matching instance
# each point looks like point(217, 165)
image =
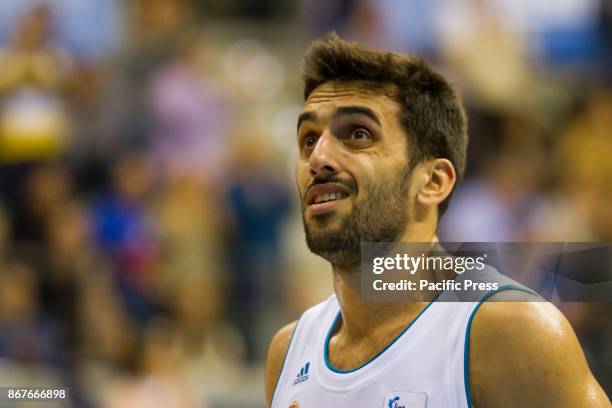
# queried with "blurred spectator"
point(95, 132)
point(74, 22)
point(258, 201)
point(496, 206)
point(153, 29)
point(400, 25)
point(191, 116)
point(25, 334)
point(213, 350)
point(108, 335)
point(579, 209)
point(125, 230)
point(46, 187)
point(33, 74)
point(158, 380)
point(189, 230)
point(489, 60)
point(68, 258)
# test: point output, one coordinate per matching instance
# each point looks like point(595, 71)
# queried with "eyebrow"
point(343, 110)
point(304, 116)
point(358, 110)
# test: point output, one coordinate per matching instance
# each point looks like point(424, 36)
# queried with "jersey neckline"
point(334, 324)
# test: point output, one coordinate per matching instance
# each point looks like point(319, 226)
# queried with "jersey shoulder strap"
point(308, 329)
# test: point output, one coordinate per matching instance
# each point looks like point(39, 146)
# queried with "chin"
point(324, 223)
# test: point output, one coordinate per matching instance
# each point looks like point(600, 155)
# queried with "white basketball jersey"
point(424, 367)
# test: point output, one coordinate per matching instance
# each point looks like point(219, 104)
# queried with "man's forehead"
point(335, 94)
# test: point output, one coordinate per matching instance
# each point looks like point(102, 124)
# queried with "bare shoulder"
point(525, 353)
point(276, 356)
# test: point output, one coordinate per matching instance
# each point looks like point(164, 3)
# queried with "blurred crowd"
point(150, 231)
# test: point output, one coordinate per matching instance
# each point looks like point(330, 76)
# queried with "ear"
point(438, 178)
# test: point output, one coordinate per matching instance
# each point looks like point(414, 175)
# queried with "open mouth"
point(324, 198)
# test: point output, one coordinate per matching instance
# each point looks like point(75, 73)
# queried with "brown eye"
point(310, 141)
point(361, 134)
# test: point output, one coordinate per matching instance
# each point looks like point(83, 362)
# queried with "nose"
point(322, 160)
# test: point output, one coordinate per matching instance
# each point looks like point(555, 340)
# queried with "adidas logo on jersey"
point(302, 375)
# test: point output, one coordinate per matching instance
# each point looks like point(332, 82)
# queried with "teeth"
point(329, 197)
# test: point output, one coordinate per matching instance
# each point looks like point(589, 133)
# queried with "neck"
point(360, 318)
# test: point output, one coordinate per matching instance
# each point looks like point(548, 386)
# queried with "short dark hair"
point(430, 110)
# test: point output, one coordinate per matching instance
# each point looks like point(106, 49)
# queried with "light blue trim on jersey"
point(333, 326)
point(466, 351)
point(280, 373)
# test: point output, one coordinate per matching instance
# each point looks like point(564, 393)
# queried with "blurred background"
point(150, 232)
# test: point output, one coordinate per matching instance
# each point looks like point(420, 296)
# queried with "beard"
point(381, 217)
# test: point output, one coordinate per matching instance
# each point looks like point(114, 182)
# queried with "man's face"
point(352, 173)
